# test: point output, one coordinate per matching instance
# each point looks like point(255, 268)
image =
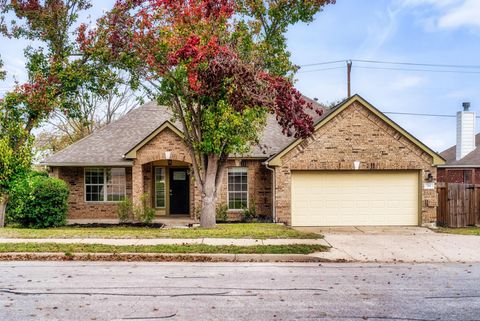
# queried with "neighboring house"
point(358, 168)
point(463, 159)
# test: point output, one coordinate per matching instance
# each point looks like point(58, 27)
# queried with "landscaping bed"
point(176, 249)
point(239, 231)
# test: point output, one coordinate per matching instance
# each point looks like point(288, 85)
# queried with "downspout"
point(274, 189)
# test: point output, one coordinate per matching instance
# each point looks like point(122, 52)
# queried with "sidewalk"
point(207, 241)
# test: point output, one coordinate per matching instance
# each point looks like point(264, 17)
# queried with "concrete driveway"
point(397, 244)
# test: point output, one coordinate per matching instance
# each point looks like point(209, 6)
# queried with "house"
point(357, 168)
point(463, 159)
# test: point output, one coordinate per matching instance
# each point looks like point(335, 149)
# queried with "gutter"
point(458, 166)
point(274, 185)
point(78, 164)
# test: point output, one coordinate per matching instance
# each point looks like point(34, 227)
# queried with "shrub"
point(125, 210)
point(144, 213)
point(222, 212)
point(250, 213)
point(38, 201)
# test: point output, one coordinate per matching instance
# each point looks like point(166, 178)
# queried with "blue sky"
point(420, 31)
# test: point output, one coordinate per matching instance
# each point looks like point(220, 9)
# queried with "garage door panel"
point(354, 198)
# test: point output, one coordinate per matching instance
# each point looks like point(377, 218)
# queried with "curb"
point(207, 241)
point(157, 257)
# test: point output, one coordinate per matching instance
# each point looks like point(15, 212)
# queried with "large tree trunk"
point(209, 188)
point(208, 213)
point(3, 208)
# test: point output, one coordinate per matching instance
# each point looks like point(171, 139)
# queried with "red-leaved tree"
point(204, 59)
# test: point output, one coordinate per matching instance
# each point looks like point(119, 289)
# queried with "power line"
point(421, 70)
point(419, 114)
point(385, 62)
point(416, 64)
point(323, 63)
point(321, 69)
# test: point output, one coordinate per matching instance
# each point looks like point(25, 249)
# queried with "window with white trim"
point(159, 187)
point(105, 184)
point(237, 188)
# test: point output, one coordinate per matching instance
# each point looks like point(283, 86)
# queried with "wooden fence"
point(458, 204)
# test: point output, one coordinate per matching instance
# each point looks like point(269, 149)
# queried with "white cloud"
point(437, 3)
point(380, 31)
point(446, 14)
point(407, 81)
point(464, 15)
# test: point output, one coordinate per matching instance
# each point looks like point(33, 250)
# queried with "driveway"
point(397, 244)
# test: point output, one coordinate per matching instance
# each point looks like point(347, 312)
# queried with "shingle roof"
point(108, 145)
point(471, 159)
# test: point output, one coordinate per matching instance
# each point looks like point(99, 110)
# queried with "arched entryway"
point(168, 184)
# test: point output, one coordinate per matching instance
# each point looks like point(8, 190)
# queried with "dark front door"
point(179, 191)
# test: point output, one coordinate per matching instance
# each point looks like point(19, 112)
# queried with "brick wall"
point(77, 207)
point(259, 178)
point(459, 175)
point(259, 188)
point(354, 134)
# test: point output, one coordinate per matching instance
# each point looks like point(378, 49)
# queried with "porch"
point(168, 187)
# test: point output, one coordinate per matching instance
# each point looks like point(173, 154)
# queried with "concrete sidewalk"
point(408, 244)
point(207, 241)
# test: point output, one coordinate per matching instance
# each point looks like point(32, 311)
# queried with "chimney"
point(465, 131)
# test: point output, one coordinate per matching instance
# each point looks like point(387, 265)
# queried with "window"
point(116, 184)
point(159, 187)
point(237, 188)
point(105, 184)
point(94, 185)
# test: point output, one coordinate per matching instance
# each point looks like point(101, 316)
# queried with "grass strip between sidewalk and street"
point(236, 231)
point(473, 230)
point(180, 249)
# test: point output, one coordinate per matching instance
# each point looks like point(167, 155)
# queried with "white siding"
point(465, 133)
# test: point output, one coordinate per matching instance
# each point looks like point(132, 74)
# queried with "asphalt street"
point(208, 291)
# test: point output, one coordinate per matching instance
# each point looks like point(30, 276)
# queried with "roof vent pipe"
point(465, 131)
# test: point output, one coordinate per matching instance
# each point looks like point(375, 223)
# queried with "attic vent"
point(243, 163)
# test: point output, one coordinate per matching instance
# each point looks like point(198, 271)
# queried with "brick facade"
point(154, 151)
point(459, 175)
point(259, 188)
point(77, 207)
point(355, 134)
point(140, 180)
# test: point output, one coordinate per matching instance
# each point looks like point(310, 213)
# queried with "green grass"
point(181, 249)
point(237, 231)
point(461, 230)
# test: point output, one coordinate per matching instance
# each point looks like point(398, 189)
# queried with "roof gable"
point(132, 153)
point(437, 159)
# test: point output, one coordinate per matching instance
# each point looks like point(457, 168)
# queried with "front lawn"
point(237, 231)
point(473, 230)
point(181, 249)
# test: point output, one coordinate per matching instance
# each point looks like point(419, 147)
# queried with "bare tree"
point(95, 111)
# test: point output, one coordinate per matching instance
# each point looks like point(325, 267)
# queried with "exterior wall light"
point(168, 156)
point(356, 165)
point(429, 177)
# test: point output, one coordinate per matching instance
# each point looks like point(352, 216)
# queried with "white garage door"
point(354, 198)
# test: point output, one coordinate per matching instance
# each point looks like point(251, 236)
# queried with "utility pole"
point(349, 72)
